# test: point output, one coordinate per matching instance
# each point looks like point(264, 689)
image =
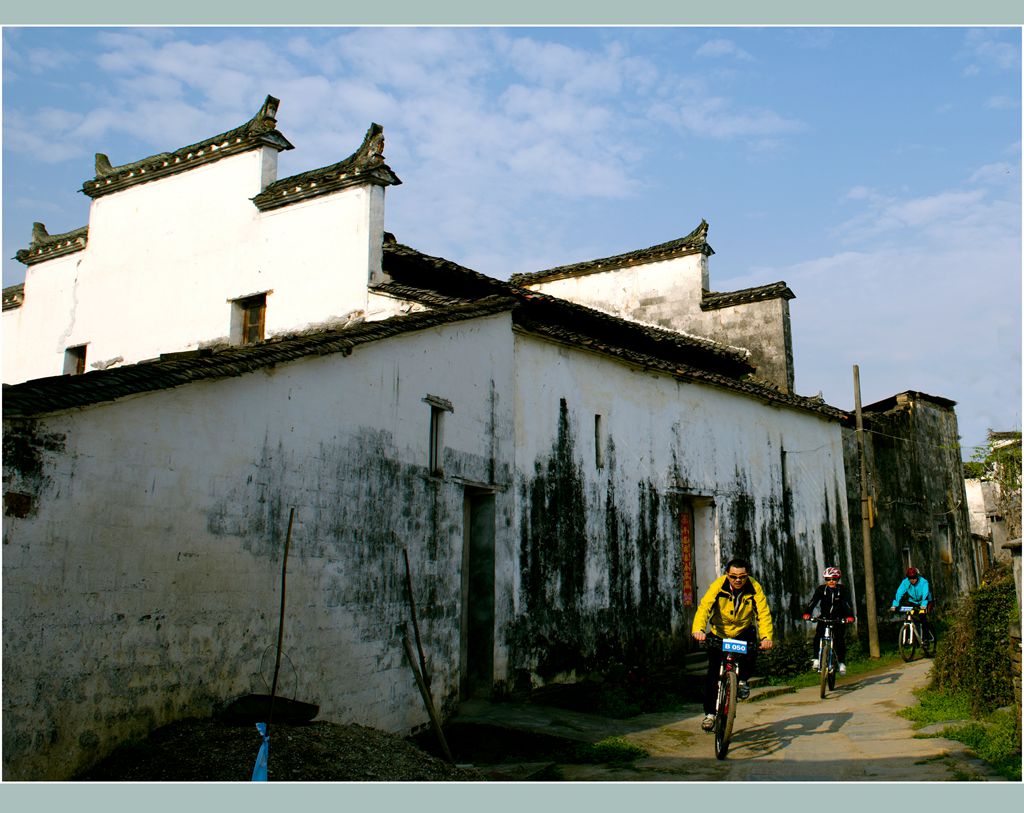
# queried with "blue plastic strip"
point(259, 770)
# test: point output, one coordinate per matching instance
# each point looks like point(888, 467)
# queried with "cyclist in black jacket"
point(835, 604)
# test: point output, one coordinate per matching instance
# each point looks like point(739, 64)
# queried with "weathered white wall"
point(164, 260)
point(668, 441)
point(144, 584)
point(763, 327)
point(668, 294)
point(657, 293)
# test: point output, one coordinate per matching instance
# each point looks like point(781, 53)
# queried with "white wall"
point(654, 292)
point(164, 260)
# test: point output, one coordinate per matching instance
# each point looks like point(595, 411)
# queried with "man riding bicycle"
point(736, 607)
point(914, 592)
point(835, 604)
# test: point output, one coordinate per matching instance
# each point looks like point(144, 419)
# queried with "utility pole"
point(865, 516)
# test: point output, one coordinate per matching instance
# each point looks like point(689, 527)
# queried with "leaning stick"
point(415, 622)
point(425, 693)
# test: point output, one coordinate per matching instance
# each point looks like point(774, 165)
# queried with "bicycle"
point(728, 688)
point(913, 633)
point(828, 663)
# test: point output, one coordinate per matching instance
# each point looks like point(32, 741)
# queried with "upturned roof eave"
point(259, 131)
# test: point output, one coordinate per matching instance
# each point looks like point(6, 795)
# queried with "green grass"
point(995, 738)
point(614, 750)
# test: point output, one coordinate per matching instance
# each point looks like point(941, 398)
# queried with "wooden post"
point(865, 524)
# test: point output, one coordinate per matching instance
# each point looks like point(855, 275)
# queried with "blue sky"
point(875, 170)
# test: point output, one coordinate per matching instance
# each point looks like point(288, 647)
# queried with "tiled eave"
point(49, 246)
point(14, 295)
point(259, 131)
point(406, 266)
point(365, 166)
point(684, 372)
point(441, 278)
point(411, 293)
point(602, 328)
point(714, 301)
point(693, 243)
point(58, 393)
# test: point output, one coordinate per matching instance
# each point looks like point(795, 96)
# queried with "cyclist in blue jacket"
point(914, 591)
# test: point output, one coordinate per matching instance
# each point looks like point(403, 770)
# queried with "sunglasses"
point(733, 578)
point(831, 580)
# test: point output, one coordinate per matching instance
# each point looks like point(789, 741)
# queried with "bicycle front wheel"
point(908, 642)
point(826, 657)
point(726, 714)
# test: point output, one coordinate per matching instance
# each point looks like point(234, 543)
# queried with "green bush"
point(788, 656)
point(973, 656)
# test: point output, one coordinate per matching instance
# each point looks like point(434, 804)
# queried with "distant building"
point(918, 500)
point(995, 512)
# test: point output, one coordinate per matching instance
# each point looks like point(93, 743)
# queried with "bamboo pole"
point(280, 624)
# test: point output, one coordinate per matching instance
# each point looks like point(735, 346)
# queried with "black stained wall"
point(916, 483)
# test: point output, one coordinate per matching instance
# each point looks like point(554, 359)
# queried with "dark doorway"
point(477, 648)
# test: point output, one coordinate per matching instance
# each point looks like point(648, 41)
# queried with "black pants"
point(747, 663)
point(838, 640)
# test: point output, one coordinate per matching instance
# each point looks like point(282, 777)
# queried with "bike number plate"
point(734, 645)
point(907, 609)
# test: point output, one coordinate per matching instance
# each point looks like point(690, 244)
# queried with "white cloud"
point(722, 48)
point(1002, 103)
point(717, 117)
point(993, 174)
point(936, 308)
point(989, 48)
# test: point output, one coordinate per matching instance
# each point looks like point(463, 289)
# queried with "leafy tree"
point(999, 462)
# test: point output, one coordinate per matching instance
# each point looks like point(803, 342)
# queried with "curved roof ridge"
point(46, 246)
point(260, 130)
point(692, 243)
point(711, 300)
point(365, 165)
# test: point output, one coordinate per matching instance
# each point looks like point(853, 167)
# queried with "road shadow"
point(762, 740)
point(884, 679)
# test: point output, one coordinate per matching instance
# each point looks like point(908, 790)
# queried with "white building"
point(566, 476)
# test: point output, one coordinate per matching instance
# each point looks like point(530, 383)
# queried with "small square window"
point(74, 360)
point(248, 319)
point(435, 452)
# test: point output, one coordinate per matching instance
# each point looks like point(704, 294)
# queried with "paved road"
point(851, 735)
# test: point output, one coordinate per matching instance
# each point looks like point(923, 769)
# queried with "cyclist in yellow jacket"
point(735, 606)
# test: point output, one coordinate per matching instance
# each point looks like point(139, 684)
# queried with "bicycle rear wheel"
point(726, 714)
point(908, 642)
point(928, 643)
point(826, 656)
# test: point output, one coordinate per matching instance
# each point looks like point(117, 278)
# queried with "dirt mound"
point(208, 750)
